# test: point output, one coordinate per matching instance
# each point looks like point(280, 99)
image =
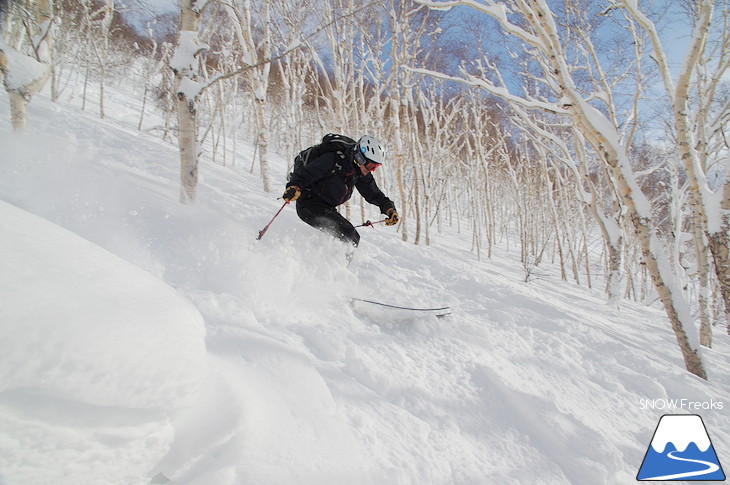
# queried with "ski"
point(439, 312)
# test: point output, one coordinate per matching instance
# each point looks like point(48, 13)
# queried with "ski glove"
point(291, 193)
point(392, 217)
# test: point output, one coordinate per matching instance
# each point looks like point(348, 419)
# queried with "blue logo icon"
point(681, 450)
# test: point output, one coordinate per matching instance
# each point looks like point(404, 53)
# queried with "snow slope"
point(94, 352)
point(108, 377)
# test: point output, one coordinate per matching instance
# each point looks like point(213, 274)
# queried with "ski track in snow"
point(523, 383)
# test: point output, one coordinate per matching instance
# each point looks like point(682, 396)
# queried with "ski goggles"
point(365, 162)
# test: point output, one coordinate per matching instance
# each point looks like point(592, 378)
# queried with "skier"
point(326, 181)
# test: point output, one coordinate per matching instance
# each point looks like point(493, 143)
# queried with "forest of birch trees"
point(591, 135)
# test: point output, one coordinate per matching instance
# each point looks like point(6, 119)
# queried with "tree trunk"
point(687, 144)
point(184, 65)
point(23, 76)
point(18, 110)
point(187, 142)
point(690, 160)
point(263, 143)
point(720, 246)
point(703, 280)
point(675, 306)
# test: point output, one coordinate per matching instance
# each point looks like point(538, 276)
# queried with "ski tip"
point(439, 311)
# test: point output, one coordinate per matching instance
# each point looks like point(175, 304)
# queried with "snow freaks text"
point(664, 404)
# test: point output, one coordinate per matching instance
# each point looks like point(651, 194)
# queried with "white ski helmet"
point(371, 149)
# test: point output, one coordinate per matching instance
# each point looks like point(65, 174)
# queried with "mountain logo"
point(681, 450)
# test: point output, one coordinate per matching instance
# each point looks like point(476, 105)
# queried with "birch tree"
point(25, 54)
point(188, 87)
point(409, 31)
point(253, 51)
point(567, 145)
point(294, 73)
point(532, 24)
point(255, 60)
point(697, 122)
point(340, 73)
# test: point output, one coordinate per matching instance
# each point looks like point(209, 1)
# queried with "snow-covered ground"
point(142, 338)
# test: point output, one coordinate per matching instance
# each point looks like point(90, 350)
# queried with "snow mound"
point(95, 354)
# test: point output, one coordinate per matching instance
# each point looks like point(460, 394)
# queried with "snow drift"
point(94, 352)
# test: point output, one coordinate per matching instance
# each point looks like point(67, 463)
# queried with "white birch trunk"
point(263, 143)
point(25, 75)
point(687, 144)
point(720, 245)
point(184, 65)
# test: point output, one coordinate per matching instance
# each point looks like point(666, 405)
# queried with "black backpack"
point(331, 142)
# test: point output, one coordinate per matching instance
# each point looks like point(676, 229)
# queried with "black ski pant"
point(317, 213)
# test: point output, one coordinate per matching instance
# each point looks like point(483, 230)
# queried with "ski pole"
point(263, 231)
point(370, 224)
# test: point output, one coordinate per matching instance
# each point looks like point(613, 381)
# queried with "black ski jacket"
point(333, 176)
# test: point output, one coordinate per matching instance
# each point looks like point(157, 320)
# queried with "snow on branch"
point(21, 71)
point(491, 88)
point(659, 56)
point(184, 62)
point(185, 58)
point(495, 10)
point(294, 45)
